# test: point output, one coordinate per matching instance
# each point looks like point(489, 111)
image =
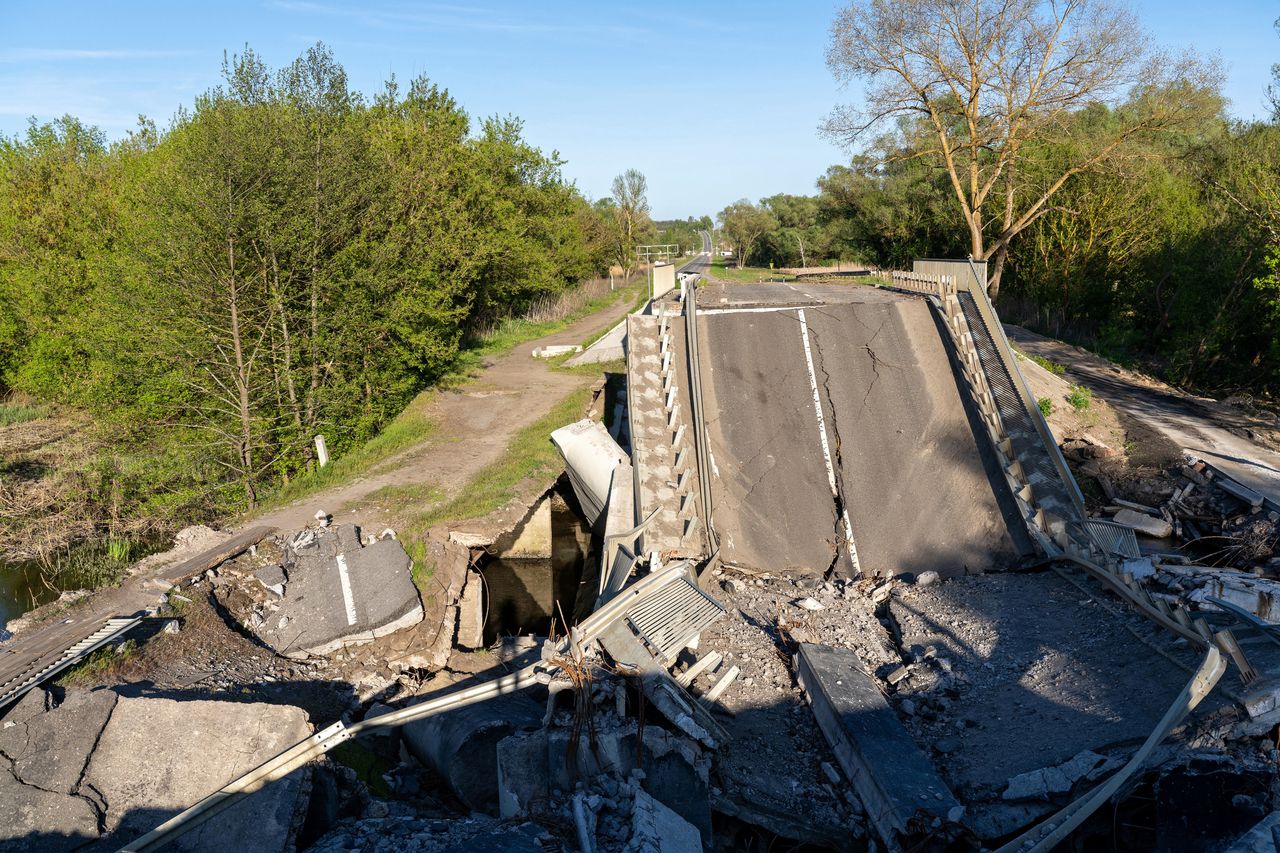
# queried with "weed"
point(17, 413)
point(1051, 366)
point(1046, 406)
point(119, 550)
point(99, 663)
point(367, 764)
point(1080, 398)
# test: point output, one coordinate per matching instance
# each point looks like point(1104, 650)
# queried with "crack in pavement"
point(838, 498)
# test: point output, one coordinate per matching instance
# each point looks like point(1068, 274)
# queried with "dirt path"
point(474, 425)
point(1224, 435)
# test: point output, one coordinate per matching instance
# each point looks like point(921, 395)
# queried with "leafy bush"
point(1046, 406)
point(1080, 398)
point(1051, 366)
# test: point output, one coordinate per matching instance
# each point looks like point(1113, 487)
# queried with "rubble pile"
point(1207, 515)
point(321, 590)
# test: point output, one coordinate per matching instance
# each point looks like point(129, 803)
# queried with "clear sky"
point(713, 101)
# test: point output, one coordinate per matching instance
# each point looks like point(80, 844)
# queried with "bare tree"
point(991, 86)
point(631, 212)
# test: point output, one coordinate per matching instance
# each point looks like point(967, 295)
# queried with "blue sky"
point(713, 101)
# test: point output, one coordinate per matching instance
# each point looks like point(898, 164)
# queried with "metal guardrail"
point(702, 451)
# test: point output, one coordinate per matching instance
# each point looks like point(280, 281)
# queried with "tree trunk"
point(241, 378)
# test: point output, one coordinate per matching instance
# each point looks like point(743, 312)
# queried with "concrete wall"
point(664, 279)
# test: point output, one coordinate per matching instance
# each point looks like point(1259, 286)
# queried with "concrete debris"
point(555, 350)
point(899, 786)
point(807, 603)
point(1049, 781)
point(327, 591)
point(99, 765)
point(1264, 837)
point(1157, 528)
point(474, 834)
point(657, 829)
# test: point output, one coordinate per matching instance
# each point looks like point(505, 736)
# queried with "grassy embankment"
point(414, 426)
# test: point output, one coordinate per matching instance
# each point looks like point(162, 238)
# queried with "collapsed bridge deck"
point(810, 387)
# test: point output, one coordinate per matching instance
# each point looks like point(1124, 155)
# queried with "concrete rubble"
point(96, 766)
point(323, 589)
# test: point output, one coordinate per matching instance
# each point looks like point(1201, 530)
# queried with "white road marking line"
point(347, 597)
point(771, 310)
point(822, 435)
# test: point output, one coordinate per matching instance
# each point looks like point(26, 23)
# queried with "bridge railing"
point(940, 286)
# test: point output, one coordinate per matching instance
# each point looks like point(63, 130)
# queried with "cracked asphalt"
point(922, 490)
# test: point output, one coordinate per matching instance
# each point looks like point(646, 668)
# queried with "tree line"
point(286, 258)
point(1114, 200)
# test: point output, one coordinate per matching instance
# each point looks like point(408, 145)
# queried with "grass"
point(1080, 398)
point(1046, 406)
point(724, 270)
point(18, 413)
point(409, 428)
point(368, 765)
point(530, 454)
point(98, 664)
point(412, 426)
point(1051, 366)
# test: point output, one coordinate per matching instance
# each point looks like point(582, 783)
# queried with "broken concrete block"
point(657, 829)
point(892, 777)
point(1262, 696)
point(1260, 839)
point(461, 745)
point(124, 765)
point(1142, 567)
point(156, 757)
point(1147, 525)
point(1048, 781)
point(342, 593)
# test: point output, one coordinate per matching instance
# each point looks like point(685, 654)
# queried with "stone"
point(156, 757)
point(657, 829)
point(808, 604)
point(928, 578)
point(1157, 528)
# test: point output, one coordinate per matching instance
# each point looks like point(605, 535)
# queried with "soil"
point(473, 425)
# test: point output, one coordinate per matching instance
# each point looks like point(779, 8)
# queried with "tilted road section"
point(841, 437)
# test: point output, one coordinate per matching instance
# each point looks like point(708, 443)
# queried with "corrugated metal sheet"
point(668, 620)
point(1114, 538)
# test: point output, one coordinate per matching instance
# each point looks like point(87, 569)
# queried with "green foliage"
point(1051, 366)
point(287, 258)
point(1046, 406)
point(98, 664)
point(1080, 398)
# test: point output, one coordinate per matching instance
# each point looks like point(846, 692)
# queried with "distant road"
point(699, 263)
